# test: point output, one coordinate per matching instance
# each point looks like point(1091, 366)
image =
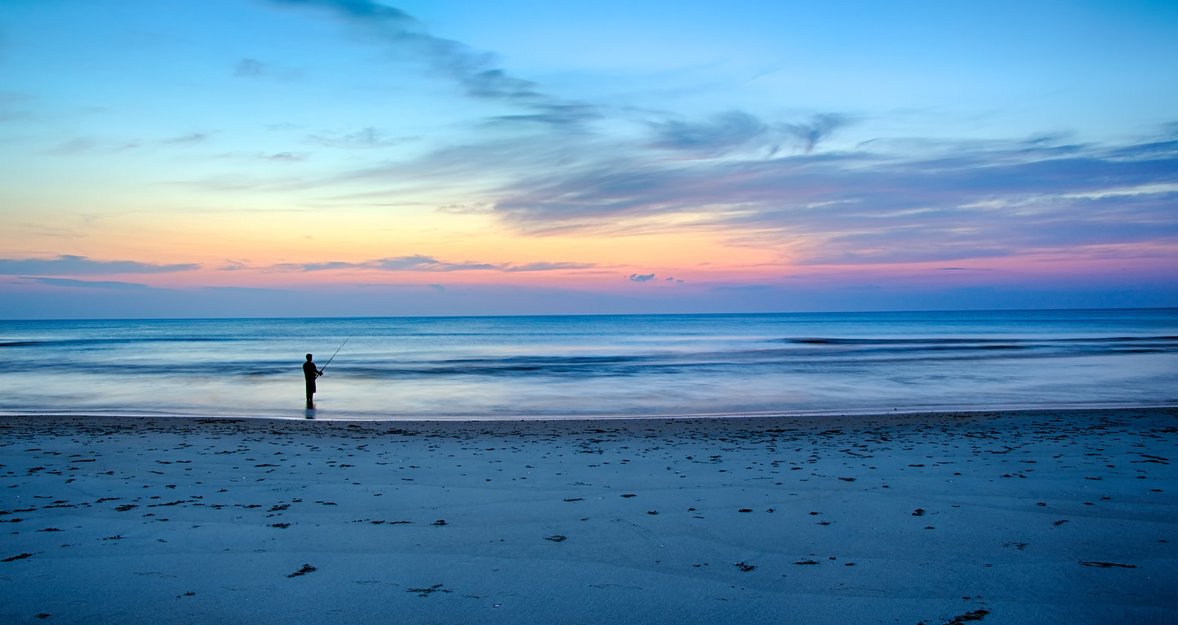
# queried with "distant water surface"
point(577, 366)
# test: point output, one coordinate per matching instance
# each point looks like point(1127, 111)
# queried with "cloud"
point(80, 265)
point(84, 145)
point(249, 68)
point(431, 264)
point(474, 71)
point(888, 200)
point(543, 266)
point(598, 189)
point(404, 263)
point(819, 127)
point(358, 9)
point(561, 114)
point(327, 266)
point(289, 157)
point(481, 166)
point(369, 137)
point(722, 132)
point(731, 130)
point(189, 139)
point(425, 263)
point(652, 278)
point(91, 284)
point(926, 201)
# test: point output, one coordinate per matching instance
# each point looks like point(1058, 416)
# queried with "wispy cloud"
point(430, 264)
point(424, 263)
point(732, 130)
point(721, 133)
point(546, 266)
point(113, 145)
point(109, 285)
point(191, 138)
point(369, 137)
point(563, 115)
point(80, 265)
point(356, 9)
point(249, 68)
point(287, 157)
point(966, 200)
point(477, 73)
point(816, 129)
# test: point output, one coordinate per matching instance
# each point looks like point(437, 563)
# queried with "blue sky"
point(230, 157)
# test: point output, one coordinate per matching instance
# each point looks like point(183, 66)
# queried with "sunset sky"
point(168, 158)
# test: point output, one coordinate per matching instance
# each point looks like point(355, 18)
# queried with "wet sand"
point(1009, 517)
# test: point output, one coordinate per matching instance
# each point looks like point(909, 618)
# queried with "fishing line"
point(341, 346)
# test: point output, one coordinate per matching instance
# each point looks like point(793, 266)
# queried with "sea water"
point(594, 366)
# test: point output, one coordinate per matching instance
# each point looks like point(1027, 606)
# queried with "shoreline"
point(314, 415)
point(1042, 516)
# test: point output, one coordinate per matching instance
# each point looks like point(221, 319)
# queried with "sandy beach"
point(1010, 517)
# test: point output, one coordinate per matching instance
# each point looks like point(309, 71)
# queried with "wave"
point(975, 347)
point(801, 354)
point(88, 342)
point(973, 341)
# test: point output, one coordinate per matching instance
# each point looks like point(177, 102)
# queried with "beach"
point(1046, 516)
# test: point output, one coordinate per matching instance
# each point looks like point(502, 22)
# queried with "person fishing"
point(310, 372)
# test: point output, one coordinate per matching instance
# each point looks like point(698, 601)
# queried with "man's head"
point(308, 357)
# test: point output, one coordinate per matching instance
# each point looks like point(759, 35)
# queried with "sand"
point(1012, 517)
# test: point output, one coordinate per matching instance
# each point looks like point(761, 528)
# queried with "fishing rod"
point(341, 346)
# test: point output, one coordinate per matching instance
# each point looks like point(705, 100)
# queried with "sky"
point(230, 158)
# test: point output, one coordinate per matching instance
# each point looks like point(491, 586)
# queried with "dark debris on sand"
point(425, 592)
point(1108, 565)
point(307, 568)
point(975, 615)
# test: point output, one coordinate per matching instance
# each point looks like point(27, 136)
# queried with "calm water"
point(533, 367)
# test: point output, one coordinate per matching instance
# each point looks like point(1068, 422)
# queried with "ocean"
point(594, 366)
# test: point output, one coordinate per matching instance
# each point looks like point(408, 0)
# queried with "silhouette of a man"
point(310, 372)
